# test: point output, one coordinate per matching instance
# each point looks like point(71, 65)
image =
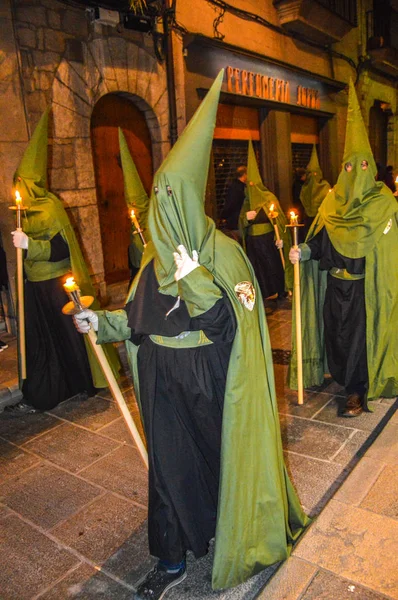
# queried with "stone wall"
point(68, 63)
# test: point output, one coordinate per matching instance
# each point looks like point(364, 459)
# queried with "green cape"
point(44, 218)
point(259, 515)
point(258, 197)
point(315, 188)
point(361, 217)
point(136, 198)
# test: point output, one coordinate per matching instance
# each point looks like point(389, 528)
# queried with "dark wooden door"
point(110, 112)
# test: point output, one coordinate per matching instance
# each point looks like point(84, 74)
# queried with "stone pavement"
point(73, 501)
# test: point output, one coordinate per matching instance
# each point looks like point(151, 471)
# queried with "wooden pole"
point(297, 309)
point(20, 291)
point(117, 394)
point(78, 304)
point(21, 312)
point(278, 237)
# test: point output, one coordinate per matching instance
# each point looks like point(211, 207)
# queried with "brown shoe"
point(353, 407)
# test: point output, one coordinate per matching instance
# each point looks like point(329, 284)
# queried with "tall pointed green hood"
point(358, 209)
point(31, 174)
point(136, 198)
point(315, 188)
point(176, 213)
point(134, 192)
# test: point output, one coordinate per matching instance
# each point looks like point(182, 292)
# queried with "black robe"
point(181, 395)
point(57, 366)
point(344, 316)
point(265, 258)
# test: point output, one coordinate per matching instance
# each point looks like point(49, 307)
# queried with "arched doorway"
point(110, 112)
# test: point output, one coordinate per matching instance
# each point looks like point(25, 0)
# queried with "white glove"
point(184, 263)
point(83, 319)
point(279, 244)
point(20, 239)
point(294, 255)
point(250, 215)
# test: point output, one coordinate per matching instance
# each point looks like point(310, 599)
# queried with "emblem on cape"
point(388, 227)
point(246, 294)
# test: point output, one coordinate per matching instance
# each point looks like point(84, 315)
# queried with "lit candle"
point(396, 184)
point(293, 218)
point(137, 227)
point(70, 285)
point(135, 220)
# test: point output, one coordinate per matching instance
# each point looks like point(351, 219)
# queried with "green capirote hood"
point(176, 212)
point(315, 188)
point(357, 210)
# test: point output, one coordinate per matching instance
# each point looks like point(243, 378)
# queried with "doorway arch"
point(111, 112)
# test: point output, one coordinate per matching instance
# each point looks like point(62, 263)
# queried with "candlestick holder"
point(77, 302)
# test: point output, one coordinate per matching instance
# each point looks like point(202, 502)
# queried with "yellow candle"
point(135, 220)
point(70, 285)
point(293, 218)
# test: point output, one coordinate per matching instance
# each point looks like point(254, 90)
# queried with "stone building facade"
point(53, 54)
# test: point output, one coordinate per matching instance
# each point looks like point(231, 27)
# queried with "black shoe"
point(19, 410)
point(3, 346)
point(353, 407)
point(158, 582)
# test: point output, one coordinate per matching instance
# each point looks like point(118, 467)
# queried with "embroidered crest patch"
point(246, 294)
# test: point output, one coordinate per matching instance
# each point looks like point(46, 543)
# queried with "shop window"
point(301, 154)
point(227, 156)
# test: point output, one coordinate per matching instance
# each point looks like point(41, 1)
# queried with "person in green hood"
point(313, 191)
point(259, 236)
point(195, 330)
point(59, 365)
point(349, 285)
point(137, 200)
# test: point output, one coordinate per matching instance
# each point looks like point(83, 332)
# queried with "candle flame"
point(70, 285)
point(396, 179)
point(271, 208)
point(292, 214)
point(132, 213)
point(330, 189)
point(18, 198)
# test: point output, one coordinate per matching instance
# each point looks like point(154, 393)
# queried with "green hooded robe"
point(361, 219)
point(136, 198)
point(258, 197)
point(315, 188)
point(44, 218)
point(259, 515)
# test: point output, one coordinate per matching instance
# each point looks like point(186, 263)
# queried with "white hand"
point(279, 244)
point(20, 239)
point(294, 255)
point(250, 215)
point(184, 263)
point(83, 319)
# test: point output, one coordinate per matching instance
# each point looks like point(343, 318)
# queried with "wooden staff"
point(78, 304)
point(297, 307)
point(20, 290)
point(273, 214)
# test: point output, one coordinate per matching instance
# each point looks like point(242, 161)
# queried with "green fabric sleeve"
point(198, 291)
point(112, 326)
point(38, 250)
point(305, 252)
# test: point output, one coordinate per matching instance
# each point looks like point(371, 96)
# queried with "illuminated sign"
point(257, 85)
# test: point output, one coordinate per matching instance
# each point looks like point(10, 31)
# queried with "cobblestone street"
point(73, 498)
